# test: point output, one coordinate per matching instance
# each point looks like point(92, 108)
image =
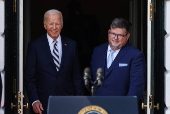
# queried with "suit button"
point(104, 86)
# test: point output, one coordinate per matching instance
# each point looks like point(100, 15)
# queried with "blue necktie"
point(56, 56)
point(110, 58)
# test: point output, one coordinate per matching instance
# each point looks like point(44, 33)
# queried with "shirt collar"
point(109, 48)
point(50, 40)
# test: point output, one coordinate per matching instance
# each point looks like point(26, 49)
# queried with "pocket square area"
point(123, 64)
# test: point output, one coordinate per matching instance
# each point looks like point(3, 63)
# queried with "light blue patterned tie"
point(56, 56)
point(110, 58)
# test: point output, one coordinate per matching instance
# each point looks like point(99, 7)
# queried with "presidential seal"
point(92, 109)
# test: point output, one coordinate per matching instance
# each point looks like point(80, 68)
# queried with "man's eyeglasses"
point(119, 36)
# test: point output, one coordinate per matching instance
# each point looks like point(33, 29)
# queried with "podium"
point(92, 105)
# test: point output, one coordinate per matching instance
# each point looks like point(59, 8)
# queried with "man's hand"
point(37, 107)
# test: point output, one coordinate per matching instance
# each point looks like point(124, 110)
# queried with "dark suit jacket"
point(41, 76)
point(125, 77)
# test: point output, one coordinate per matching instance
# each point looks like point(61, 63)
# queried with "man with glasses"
point(123, 65)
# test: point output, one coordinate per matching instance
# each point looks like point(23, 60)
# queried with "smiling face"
point(117, 37)
point(53, 24)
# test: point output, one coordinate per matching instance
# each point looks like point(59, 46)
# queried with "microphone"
point(87, 77)
point(99, 77)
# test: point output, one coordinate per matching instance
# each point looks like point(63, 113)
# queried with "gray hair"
point(53, 11)
point(120, 23)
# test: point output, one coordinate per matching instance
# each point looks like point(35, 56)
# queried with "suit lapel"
point(64, 50)
point(121, 53)
point(47, 49)
point(104, 56)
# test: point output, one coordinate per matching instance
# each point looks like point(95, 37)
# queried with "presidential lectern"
point(92, 105)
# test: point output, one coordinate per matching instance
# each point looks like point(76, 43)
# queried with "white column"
point(2, 27)
point(21, 52)
point(2, 52)
point(148, 56)
point(167, 57)
point(2, 14)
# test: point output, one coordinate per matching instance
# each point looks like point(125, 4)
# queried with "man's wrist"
point(35, 102)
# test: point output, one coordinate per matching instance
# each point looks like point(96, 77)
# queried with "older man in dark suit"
point(52, 66)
